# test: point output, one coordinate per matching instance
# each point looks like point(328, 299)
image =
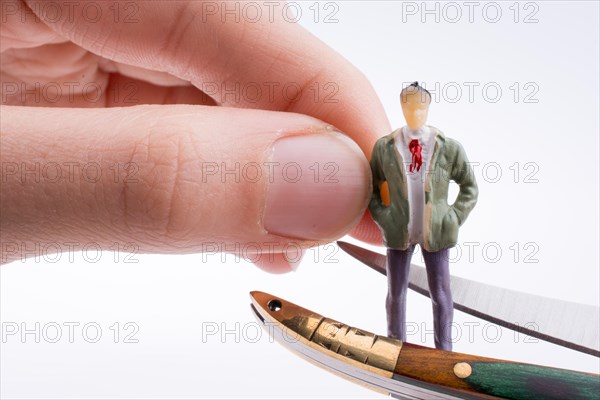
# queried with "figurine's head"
point(415, 105)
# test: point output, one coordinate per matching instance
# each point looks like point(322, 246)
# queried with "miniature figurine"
point(410, 206)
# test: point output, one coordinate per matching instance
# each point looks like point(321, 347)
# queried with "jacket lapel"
point(395, 153)
point(439, 142)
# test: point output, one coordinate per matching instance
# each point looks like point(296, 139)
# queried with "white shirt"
point(415, 182)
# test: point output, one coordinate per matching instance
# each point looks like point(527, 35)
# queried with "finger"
point(266, 63)
point(367, 231)
point(65, 75)
point(176, 179)
point(21, 29)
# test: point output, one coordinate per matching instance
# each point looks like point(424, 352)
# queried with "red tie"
point(415, 149)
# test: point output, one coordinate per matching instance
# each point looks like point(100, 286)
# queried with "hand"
point(110, 131)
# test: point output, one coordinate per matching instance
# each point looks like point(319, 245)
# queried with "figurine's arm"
point(377, 205)
point(463, 175)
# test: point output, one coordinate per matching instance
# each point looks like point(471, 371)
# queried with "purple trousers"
point(438, 278)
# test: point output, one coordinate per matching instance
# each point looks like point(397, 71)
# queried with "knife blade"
point(572, 325)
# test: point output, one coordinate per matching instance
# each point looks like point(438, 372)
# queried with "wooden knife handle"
point(479, 377)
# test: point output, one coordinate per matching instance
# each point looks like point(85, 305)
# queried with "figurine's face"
point(415, 107)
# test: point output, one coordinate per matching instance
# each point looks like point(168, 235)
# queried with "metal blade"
point(572, 325)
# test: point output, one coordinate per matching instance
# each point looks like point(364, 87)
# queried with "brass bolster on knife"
point(361, 346)
point(336, 339)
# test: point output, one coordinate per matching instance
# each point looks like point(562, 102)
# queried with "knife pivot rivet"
point(462, 370)
point(274, 305)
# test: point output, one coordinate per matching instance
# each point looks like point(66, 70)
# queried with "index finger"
point(250, 55)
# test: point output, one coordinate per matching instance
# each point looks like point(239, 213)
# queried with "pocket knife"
point(407, 371)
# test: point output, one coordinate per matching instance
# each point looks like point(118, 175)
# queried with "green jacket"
point(441, 220)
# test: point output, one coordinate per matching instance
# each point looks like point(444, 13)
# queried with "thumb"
point(176, 179)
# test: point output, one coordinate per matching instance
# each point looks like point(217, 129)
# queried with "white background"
point(173, 299)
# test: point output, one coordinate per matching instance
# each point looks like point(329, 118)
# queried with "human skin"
point(168, 54)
